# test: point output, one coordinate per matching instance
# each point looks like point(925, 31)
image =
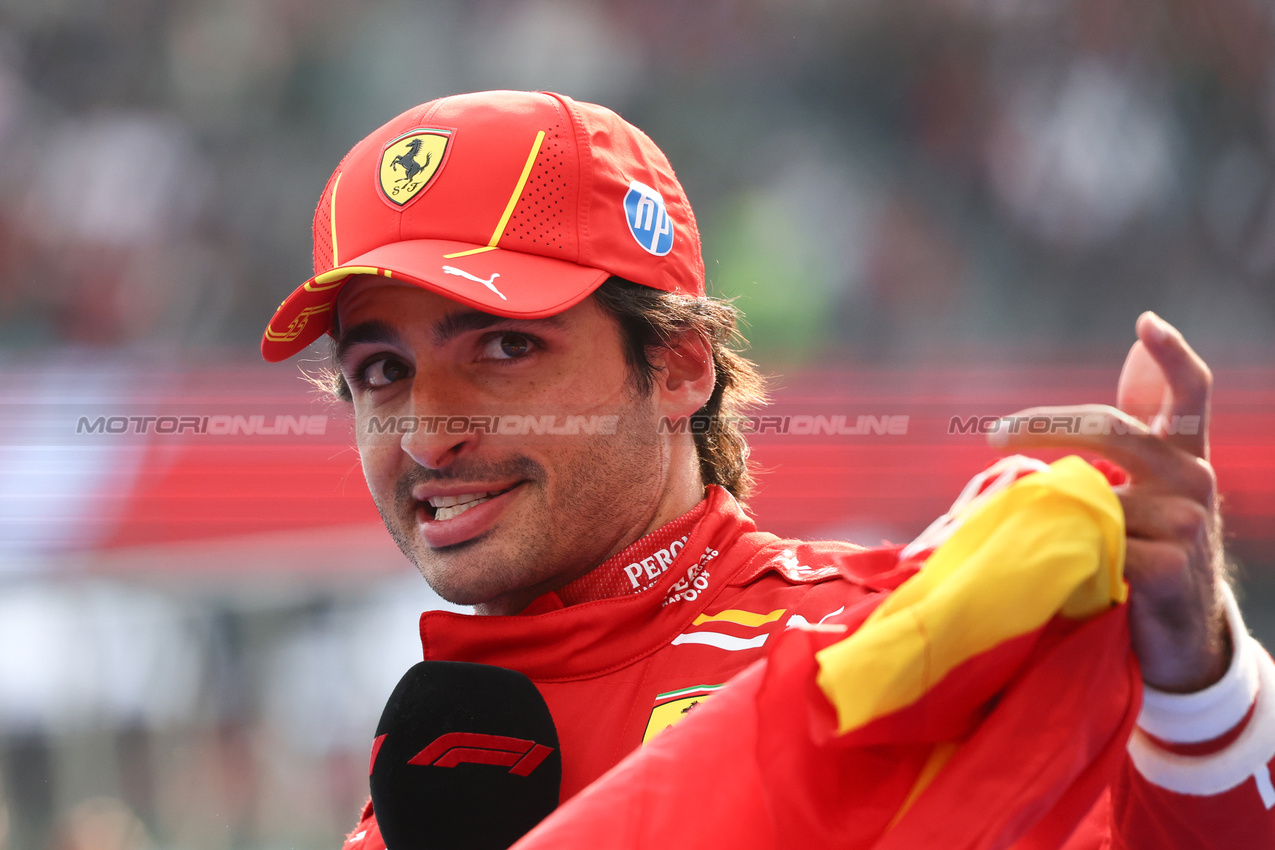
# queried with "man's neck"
point(638, 565)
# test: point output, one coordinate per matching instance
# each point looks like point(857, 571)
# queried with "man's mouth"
point(449, 507)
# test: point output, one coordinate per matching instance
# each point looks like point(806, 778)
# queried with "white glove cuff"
point(1207, 714)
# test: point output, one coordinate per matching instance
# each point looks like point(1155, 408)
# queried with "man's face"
point(494, 519)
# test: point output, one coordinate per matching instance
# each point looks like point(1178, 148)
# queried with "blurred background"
point(936, 209)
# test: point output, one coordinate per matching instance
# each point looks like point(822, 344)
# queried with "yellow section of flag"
point(978, 590)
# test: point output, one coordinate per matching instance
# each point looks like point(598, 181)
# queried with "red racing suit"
point(683, 610)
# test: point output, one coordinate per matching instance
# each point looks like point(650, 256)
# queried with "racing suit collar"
point(585, 639)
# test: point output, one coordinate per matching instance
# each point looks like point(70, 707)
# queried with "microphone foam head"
point(466, 756)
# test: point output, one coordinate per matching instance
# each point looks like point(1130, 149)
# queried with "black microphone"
point(466, 757)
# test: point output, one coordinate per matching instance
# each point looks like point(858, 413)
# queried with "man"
point(515, 289)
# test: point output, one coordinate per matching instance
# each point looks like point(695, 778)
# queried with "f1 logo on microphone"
point(453, 748)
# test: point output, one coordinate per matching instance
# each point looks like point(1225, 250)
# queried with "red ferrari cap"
point(514, 203)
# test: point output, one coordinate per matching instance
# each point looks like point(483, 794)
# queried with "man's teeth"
point(446, 507)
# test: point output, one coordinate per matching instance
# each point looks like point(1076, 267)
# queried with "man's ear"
point(684, 377)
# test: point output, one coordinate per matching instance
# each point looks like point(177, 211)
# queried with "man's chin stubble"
point(428, 563)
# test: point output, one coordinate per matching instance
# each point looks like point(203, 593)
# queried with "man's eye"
point(383, 372)
point(507, 346)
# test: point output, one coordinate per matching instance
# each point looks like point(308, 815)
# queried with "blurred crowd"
point(881, 181)
point(870, 177)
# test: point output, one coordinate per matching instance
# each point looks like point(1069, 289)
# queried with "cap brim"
point(494, 280)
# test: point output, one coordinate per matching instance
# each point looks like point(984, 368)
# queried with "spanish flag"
point(983, 704)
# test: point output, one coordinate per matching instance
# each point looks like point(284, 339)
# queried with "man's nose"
point(442, 424)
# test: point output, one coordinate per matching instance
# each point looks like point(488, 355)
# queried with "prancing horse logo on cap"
point(410, 162)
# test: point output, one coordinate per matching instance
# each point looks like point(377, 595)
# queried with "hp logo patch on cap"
point(648, 219)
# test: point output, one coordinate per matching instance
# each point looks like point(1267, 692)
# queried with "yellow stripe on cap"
point(522, 182)
point(1052, 543)
point(333, 278)
point(743, 618)
point(471, 251)
point(509, 207)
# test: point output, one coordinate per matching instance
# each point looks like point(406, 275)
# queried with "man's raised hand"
point(1174, 561)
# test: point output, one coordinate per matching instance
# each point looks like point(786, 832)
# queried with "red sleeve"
point(1148, 816)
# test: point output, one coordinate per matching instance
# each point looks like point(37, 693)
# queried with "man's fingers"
point(1098, 428)
point(1141, 390)
point(1157, 569)
point(1165, 517)
point(1189, 380)
point(1113, 434)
